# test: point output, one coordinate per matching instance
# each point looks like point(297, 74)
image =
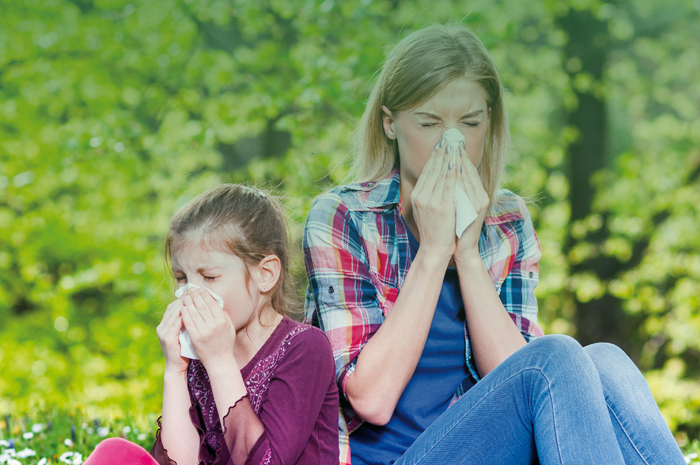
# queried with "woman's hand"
point(168, 332)
point(468, 179)
point(212, 333)
point(433, 203)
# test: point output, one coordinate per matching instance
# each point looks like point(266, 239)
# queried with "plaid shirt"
point(357, 255)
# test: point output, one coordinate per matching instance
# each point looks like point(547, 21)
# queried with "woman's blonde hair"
point(238, 220)
point(417, 68)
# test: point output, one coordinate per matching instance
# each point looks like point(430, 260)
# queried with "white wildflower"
point(4, 458)
point(84, 425)
point(23, 454)
point(68, 443)
point(10, 453)
point(28, 435)
point(14, 462)
point(103, 431)
point(126, 430)
point(42, 461)
point(90, 430)
point(142, 437)
point(71, 458)
point(690, 457)
point(4, 443)
point(37, 427)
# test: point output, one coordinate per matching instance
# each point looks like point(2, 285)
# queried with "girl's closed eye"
point(471, 124)
point(209, 278)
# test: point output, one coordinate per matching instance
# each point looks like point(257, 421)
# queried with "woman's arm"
point(492, 334)
point(387, 361)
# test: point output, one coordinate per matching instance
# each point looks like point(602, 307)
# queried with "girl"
point(263, 390)
point(421, 319)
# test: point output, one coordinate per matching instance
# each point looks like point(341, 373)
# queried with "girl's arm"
point(301, 401)
point(294, 398)
point(177, 439)
point(213, 336)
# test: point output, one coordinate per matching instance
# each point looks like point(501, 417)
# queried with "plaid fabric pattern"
point(357, 255)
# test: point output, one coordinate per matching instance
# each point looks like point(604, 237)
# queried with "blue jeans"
point(554, 401)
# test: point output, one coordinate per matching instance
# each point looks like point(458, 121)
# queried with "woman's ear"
point(388, 122)
point(268, 273)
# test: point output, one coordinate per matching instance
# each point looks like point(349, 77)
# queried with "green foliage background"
point(114, 112)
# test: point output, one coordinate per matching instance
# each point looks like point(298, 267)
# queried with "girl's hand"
point(433, 203)
point(168, 332)
point(211, 331)
point(468, 179)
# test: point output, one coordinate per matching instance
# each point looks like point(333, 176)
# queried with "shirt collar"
point(379, 194)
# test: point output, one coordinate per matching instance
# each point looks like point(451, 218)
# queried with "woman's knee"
point(559, 345)
point(614, 366)
point(561, 353)
point(606, 352)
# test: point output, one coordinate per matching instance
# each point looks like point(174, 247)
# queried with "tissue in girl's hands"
point(186, 349)
point(465, 210)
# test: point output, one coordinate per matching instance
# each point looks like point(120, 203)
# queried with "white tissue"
point(464, 208)
point(186, 349)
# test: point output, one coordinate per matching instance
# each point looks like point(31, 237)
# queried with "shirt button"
point(331, 290)
point(531, 274)
point(370, 184)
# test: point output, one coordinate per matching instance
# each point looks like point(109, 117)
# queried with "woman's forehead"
point(458, 98)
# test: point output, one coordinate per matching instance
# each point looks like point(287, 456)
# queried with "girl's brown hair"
point(241, 221)
point(417, 68)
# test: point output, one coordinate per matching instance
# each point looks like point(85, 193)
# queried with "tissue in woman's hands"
point(464, 208)
point(186, 349)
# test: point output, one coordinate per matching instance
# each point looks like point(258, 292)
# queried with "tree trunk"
point(585, 55)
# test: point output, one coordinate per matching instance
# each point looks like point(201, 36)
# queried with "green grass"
point(55, 433)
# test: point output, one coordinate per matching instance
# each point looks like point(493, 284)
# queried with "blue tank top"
point(440, 370)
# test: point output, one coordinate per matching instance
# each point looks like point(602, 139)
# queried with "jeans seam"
point(625, 431)
point(556, 437)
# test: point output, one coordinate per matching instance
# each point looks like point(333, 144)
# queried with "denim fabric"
point(554, 401)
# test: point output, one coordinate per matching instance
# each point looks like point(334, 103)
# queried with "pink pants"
point(118, 451)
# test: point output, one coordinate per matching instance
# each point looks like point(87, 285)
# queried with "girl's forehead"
point(200, 253)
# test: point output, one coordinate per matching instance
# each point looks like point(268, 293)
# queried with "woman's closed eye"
point(471, 124)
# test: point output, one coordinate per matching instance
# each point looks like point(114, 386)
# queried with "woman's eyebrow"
point(427, 115)
point(434, 116)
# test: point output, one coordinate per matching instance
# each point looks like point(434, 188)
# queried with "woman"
point(421, 320)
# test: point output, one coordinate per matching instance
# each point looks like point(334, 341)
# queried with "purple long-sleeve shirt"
point(290, 415)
